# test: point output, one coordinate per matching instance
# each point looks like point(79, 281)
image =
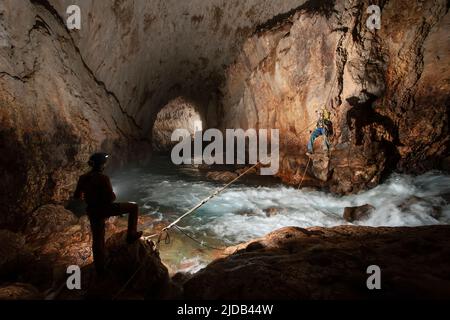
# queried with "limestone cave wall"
point(388, 89)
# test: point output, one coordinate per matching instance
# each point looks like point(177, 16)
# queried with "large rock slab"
point(330, 263)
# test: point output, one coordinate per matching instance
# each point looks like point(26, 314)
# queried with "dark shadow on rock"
point(331, 265)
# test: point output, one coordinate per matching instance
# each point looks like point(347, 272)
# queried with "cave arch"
point(178, 113)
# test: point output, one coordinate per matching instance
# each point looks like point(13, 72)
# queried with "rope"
point(304, 173)
point(192, 210)
point(165, 231)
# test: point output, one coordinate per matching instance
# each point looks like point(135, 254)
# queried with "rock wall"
point(53, 112)
point(150, 52)
point(388, 90)
point(66, 94)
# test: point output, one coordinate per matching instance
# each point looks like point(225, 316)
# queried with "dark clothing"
point(95, 188)
point(97, 222)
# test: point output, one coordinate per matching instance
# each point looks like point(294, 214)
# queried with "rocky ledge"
point(330, 263)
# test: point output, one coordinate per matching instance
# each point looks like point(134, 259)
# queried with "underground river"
point(254, 207)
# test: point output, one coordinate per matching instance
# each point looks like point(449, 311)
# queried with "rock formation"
point(54, 112)
point(358, 213)
point(19, 291)
point(66, 94)
point(330, 263)
point(53, 240)
point(388, 89)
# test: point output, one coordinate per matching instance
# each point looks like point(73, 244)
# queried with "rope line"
point(304, 173)
point(200, 204)
point(165, 231)
point(140, 266)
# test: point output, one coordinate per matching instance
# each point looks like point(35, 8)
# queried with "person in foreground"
point(95, 189)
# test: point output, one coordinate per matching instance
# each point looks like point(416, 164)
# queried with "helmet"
point(98, 159)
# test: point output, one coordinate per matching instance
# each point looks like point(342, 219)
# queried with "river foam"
point(240, 212)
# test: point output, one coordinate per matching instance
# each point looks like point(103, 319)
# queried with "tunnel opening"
point(178, 113)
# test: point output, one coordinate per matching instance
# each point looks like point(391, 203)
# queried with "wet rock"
point(50, 127)
point(19, 291)
point(359, 213)
point(221, 176)
point(247, 213)
point(329, 263)
point(249, 172)
point(408, 206)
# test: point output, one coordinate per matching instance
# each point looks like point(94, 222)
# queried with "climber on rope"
point(95, 189)
point(324, 127)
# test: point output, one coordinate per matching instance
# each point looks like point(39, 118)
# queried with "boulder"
point(352, 214)
point(246, 213)
point(273, 211)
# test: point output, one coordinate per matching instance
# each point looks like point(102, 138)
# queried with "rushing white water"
point(239, 213)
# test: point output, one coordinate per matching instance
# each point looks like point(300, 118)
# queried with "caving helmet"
point(98, 160)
